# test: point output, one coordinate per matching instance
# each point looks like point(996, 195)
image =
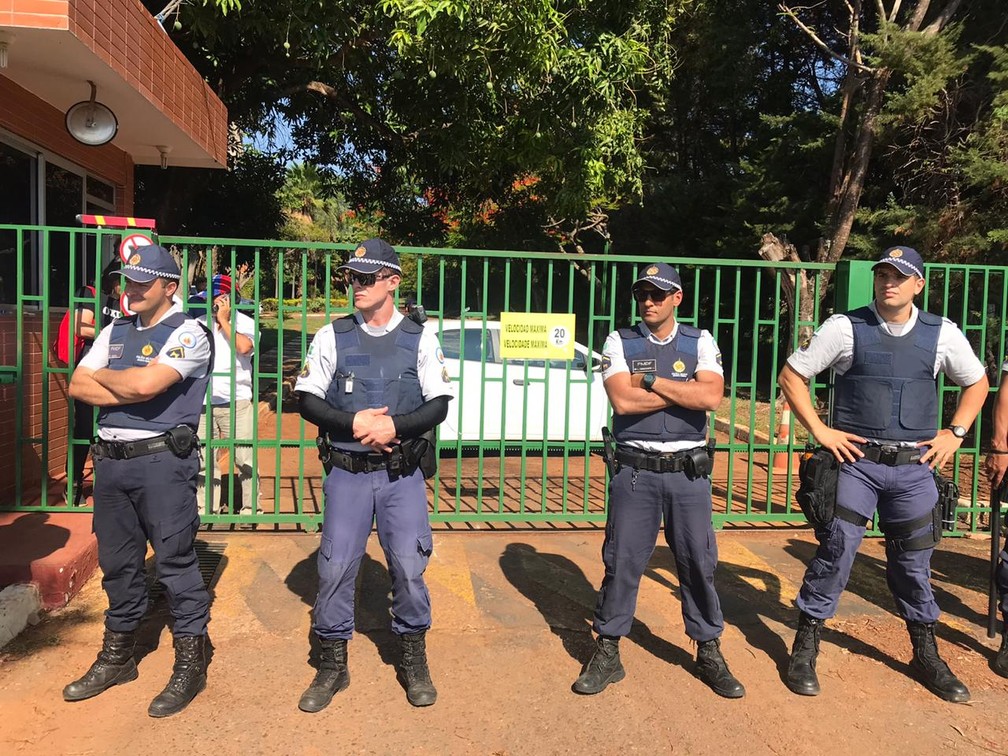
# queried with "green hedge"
point(314, 304)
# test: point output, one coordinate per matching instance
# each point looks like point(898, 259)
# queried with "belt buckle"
point(889, 454)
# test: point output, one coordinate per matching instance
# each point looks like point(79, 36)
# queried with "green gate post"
point(854, 284)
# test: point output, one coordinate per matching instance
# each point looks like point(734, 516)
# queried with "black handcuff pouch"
point(181, 439)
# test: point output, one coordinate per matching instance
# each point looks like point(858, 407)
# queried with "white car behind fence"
point(515, 400)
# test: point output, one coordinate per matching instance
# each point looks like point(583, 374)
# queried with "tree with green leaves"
point(465, 98)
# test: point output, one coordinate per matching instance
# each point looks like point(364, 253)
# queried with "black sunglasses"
point(657, 296)
point(366, 279)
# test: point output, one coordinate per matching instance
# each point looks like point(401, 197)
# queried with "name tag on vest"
point(115, 351)
point(643, 366)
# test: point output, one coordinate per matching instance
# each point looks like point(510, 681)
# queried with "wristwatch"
point(958, 431)
point(648, 381)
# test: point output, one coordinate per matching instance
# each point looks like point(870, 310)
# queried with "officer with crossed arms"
point(148, 374)
point(661, 377)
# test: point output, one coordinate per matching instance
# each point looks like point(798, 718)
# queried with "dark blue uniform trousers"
point(399, 508)
point(900, 494)
point(149, 499)
point(636, 510)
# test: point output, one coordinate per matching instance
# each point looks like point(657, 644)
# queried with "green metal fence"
point(519, 444)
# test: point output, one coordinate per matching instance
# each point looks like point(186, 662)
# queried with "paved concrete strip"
point(449, 567)
point(733, 554)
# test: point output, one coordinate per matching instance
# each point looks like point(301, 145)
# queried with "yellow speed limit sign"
point(537, 336)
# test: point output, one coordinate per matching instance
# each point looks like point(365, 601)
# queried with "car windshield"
point(470, 347)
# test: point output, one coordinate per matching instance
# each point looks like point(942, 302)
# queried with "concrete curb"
point(19, 607)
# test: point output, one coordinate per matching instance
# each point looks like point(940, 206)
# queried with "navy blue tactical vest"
point(676, 360)
point(180, 404)
point(889, 393)
point(380, 371)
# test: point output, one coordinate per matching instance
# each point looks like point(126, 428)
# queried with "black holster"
point(818, 473)
point(948, 500)
point(413, 454)
point(609, 452)
point(324, 451)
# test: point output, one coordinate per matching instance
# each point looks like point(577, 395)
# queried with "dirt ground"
point(511, 629)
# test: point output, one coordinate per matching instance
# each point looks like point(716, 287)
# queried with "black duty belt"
point(358, 462)
point(129, 449)
point(653, 461)
point(890, 454)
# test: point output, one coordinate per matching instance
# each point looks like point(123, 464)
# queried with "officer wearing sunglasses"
point(662, 377)
point(375, 384)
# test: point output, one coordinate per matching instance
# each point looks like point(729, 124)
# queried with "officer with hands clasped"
point(375, 384)
point(148, 374)
point(662, 378)
point(885, 437)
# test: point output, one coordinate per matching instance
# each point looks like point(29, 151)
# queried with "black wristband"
point(997, 451)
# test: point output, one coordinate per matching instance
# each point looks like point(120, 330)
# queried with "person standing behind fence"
point(148, 373)
point(996, 465)
point(885, 358)
point(87, 324)
point(662, 377)
point(234, 347)
point(376, 386)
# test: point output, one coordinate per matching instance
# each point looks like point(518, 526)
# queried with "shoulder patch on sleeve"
point(176, 353)
point(187, 339)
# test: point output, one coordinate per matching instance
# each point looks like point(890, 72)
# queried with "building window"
point(43, 189)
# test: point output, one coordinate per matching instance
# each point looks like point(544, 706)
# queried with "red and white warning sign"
point(129, 244)
point(124, 307)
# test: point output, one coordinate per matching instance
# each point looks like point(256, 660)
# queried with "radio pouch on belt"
point(818, 473)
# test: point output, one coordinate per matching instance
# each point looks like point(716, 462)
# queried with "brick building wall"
point(26, 116)
point(38, 423)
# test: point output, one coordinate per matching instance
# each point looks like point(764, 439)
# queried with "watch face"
point(958, 431)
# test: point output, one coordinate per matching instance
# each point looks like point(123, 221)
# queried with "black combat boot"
point(930, 668)
point(1000, 661)
point(332, 676)
point(187, 680)
point(603, 668)
point(712, 670)
point(801, 674)
point(413, 670)
point(115, 665)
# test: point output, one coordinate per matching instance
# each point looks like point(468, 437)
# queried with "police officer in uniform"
point(662, 377)
point(375, 384)
point(885, 358)
point(148, 375)
point(996, 466)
